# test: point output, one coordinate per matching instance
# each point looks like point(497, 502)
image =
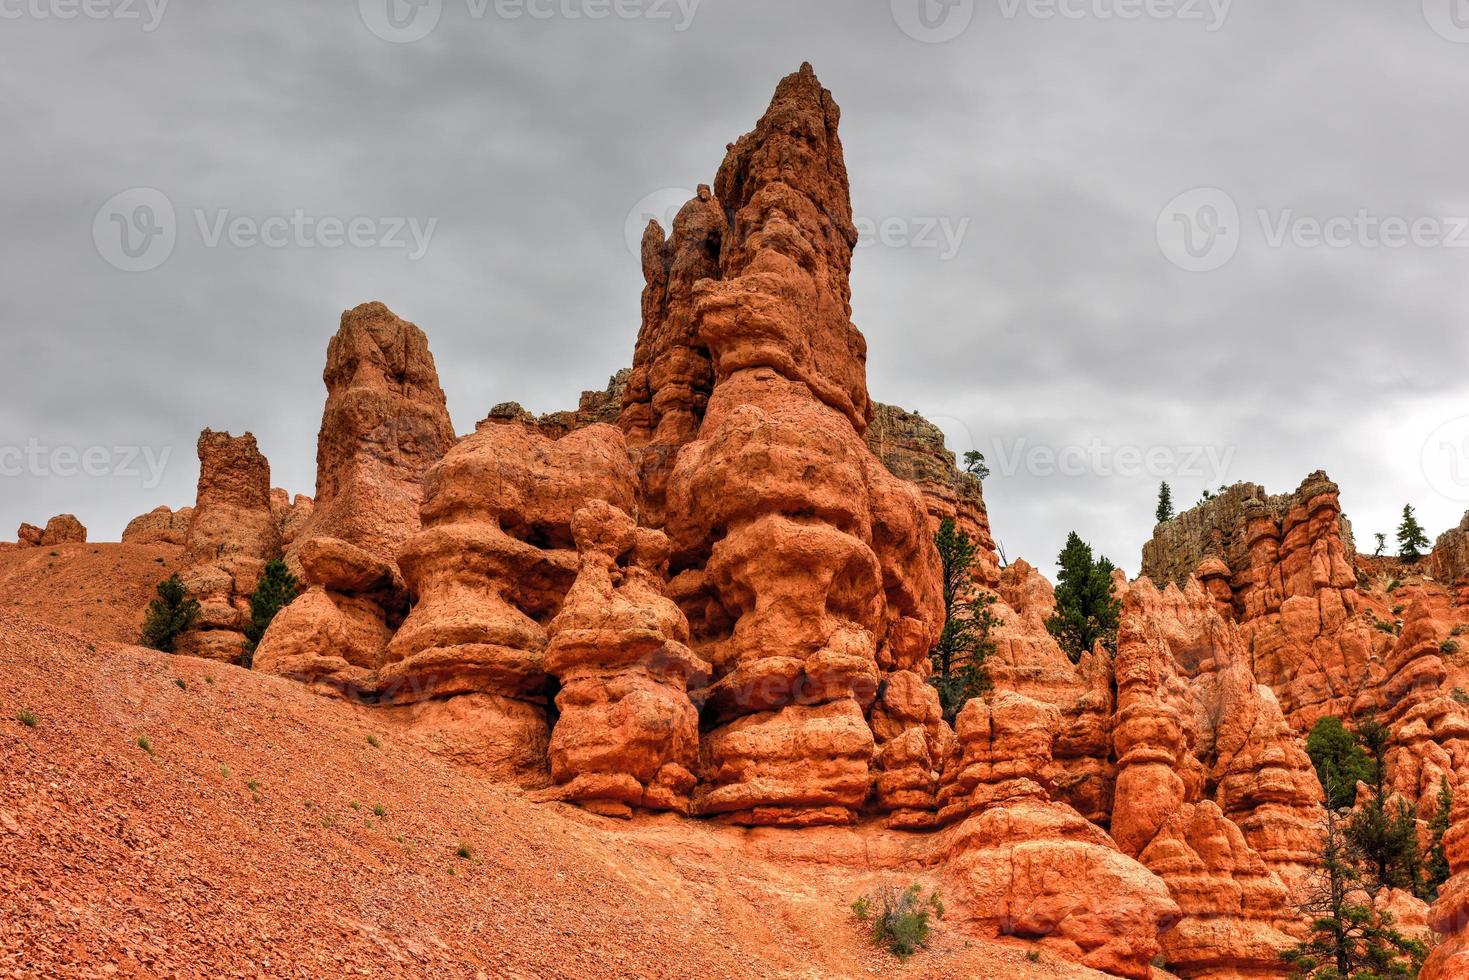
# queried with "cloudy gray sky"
point(1065, 263)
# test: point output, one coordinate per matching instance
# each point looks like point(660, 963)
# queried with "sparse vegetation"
point(225, 772)
point(378, 810)
point(277, 588)
point(1448, 647)
point(1165, 504)
point(252, 785)
point(464, 852)
point(959, 657)
point(1412, 539)
point(1436, 868)
point(1398, 609)
point(374, 741)
point(145, 744)
point(26, 718)
point(1087, 611)
point(170, 615)
point(181, 685)
point(1393, 585)
point(975, 465)
point(1460, 695)
point(1340, 761)
point(899, 918)
point(1381, 545)
point(1385, 627)
point(1034, 956)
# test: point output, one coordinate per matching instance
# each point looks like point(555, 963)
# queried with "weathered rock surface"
point(913, 449)
point(162, 525)
point(802, 563)
point(1450, 914)
point(384, 425)
point(628, 735)
point(61, 529)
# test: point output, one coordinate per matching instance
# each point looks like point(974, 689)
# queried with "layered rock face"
point(232, 533)
point(385, 424)
point(1450, 914)
point(1034, 868)
point(913, 449)
point(1214, 792)
point(628, 735)
point(801, 562)
point(162, 525)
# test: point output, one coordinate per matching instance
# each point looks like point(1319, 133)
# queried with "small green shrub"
point(374, 741)
point(144, 744)
point(355, 805)
point(378, 810)
point(464, 852)
point(1459, 630)
point(277, 588)
point(1034, 956)
point(1448, 647)
point(1384, 626)
point(181, 685)
point(225, 772)
point(1398, 609)
point(1461, 695)
point(1393, 586)
point(252, 785)
point(170, 615)
point(899, 919)
point(27, 718)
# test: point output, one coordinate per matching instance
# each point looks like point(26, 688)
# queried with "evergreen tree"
point(170, 615)
point(1436, 870)
point(1348, 941)
point(1412, 539)
point(276, 590)
point(1337, 751)
point(1165, 503)
point(974, 463)
point(1086, 608)
point(1381, 545)
point(1386, 837)
point(959, 658)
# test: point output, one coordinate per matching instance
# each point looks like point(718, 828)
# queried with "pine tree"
point(170, 615)
point(1165, 503)
point(1436, 869)
point(1386, 837)
point(1335, 750)
point(276, 590)
point(1348, 940)
point(1381, 545)
point(974, 464)
point(1412, 539)
point(1087, 611)
point(959, 658)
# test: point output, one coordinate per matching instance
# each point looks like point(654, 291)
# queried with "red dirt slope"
point(265, 836)
point(100, 590)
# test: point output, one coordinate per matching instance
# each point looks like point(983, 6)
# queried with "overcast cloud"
point(1023, 281)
